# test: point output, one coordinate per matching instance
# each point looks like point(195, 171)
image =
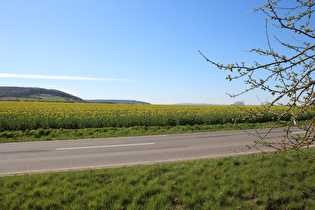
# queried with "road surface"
point(44, 156)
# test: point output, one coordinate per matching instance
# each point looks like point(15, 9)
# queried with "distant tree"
point(289, 75)
point(239, 103)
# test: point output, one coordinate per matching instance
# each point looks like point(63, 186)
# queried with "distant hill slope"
point(116, 101)
point(10, 93)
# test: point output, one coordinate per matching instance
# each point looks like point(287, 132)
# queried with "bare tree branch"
point(290, 75)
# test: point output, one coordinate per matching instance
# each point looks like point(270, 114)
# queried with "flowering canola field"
point(35, 115)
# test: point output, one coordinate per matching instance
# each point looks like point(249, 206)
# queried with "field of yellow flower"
point(35, 115)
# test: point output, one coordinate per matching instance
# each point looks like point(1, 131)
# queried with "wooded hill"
point(18, 93)
point(42, 94)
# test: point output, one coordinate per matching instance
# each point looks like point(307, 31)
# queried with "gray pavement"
point(64, 155)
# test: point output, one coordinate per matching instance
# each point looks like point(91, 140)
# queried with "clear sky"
point(143, 50)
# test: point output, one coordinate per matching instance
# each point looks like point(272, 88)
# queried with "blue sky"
point(121, 49)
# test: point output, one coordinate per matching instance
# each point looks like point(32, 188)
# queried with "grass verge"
point(62, 134)
point(278, 181)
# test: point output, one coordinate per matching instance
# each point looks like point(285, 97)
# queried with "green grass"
point(278, 181)
point(61, 134)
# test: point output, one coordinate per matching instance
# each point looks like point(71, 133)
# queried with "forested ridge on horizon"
point(29, 92)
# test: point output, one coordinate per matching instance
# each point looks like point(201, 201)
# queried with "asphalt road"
point(44, 156)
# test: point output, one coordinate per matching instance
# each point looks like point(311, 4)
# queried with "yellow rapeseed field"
point(33, 115)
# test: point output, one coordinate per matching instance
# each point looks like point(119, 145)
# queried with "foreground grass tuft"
point(278, 181)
